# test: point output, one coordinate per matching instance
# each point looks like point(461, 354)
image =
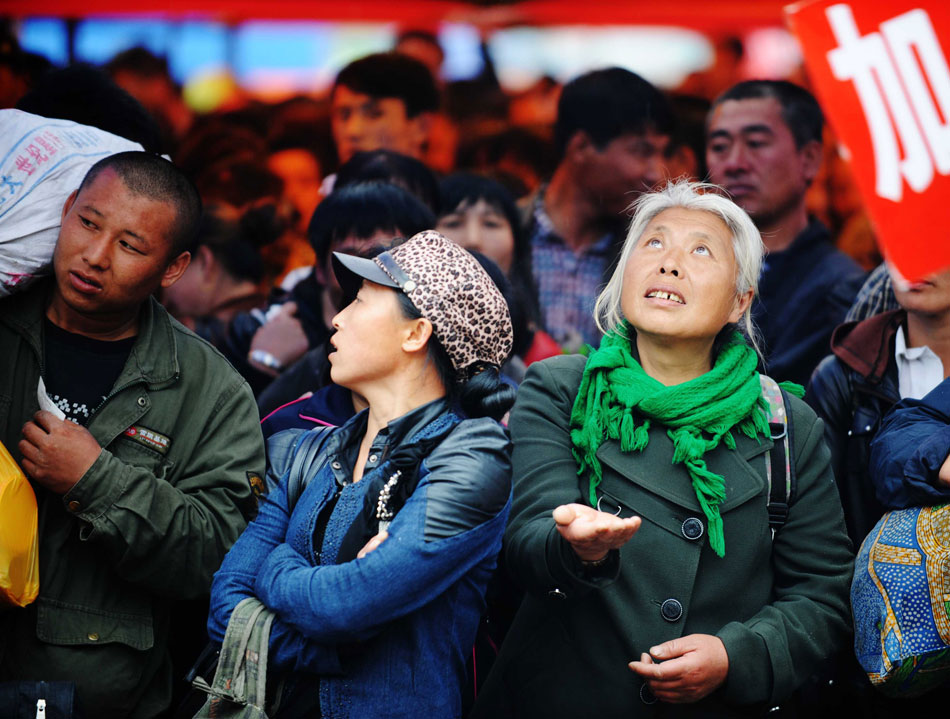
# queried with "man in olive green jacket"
point(143, 493)
point(778, 605)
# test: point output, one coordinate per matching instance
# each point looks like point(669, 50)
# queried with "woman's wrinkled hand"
point(592, 533)
point(686, 669)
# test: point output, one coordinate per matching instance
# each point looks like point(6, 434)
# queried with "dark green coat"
point(142, 526)
point(778, 606)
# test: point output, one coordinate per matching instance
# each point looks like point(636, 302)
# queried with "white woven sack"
point(41, 162)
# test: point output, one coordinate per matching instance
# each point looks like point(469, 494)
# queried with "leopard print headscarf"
point(450, 288)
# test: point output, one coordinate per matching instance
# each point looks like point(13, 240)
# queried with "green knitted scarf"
point(618, 400)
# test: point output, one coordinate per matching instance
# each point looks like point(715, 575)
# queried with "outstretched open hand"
point(592, 533)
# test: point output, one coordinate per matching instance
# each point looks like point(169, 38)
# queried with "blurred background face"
point(625, 167)
point(362, 123)
point(481, 227)
point(300, 172)
point(190, 296)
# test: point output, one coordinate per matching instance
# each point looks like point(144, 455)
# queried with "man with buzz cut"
point(764, 146)
point(143, 454)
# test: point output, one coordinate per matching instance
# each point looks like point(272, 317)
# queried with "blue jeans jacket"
point(406, 614)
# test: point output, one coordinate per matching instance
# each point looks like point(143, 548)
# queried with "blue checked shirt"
point(568, 282)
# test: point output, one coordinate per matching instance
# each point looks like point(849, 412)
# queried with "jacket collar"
point(395, 432)
point(866, 346)
point(154, 356)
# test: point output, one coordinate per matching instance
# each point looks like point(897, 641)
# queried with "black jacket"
point(851, 391)
point(804, 293)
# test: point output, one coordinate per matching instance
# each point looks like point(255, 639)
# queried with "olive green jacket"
point(148, 523)
point(778, 605)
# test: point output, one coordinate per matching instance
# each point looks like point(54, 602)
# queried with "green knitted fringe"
point(698, 415)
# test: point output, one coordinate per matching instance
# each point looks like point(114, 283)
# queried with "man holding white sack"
point(148, 481)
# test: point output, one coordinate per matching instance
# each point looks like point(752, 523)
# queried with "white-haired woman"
point(640, 523)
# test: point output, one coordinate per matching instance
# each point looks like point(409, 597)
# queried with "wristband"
point(596, 562)
point(266, 359)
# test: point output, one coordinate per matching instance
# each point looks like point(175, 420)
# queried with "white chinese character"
point(886, 62)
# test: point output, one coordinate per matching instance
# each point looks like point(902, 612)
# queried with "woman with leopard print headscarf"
point(376, 541)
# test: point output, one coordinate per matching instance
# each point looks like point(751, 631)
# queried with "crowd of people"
point(493, 406)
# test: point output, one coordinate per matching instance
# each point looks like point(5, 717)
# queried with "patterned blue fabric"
point(900, 602)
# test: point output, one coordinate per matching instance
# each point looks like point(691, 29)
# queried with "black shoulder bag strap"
point(779, 464)
point(308, 448)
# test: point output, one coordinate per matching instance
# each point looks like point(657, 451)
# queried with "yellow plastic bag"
point(19, 558)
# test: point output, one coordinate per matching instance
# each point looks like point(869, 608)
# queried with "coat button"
point(692, 528)
point(646, 694)
point(142, 401)
point(373, 457)
point(557, 594)
point(93, 637)
point(335, 465)
point(74, 506)
point(671, 610)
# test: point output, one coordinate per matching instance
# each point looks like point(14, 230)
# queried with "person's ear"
point(742, 304)
point(579, 146)
point(417, 335)
point(176, 268)
point(420, 127)
point(203, 260)
point(811, 155)
point(68, 204)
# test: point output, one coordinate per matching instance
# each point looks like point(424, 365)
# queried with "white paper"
point(45, 402)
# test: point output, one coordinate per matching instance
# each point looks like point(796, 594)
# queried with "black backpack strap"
point(308, 446)
point(779, 467)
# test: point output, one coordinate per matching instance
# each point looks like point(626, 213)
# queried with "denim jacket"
point(386, 635)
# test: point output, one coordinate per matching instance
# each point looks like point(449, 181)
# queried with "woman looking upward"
point(640, 525)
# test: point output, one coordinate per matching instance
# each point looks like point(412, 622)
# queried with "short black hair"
point(421, 35)
point(609, 103)
point(363, 209)
point(392, 168)
point(87, 95)
point(690, 128)
point(392, 74)
point(236, 242)
point(800, 110)
point(155, 177)
point(139, 61)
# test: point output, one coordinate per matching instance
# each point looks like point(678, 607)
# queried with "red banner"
point(881, 73)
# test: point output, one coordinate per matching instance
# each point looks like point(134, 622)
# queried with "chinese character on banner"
point(881, 72)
